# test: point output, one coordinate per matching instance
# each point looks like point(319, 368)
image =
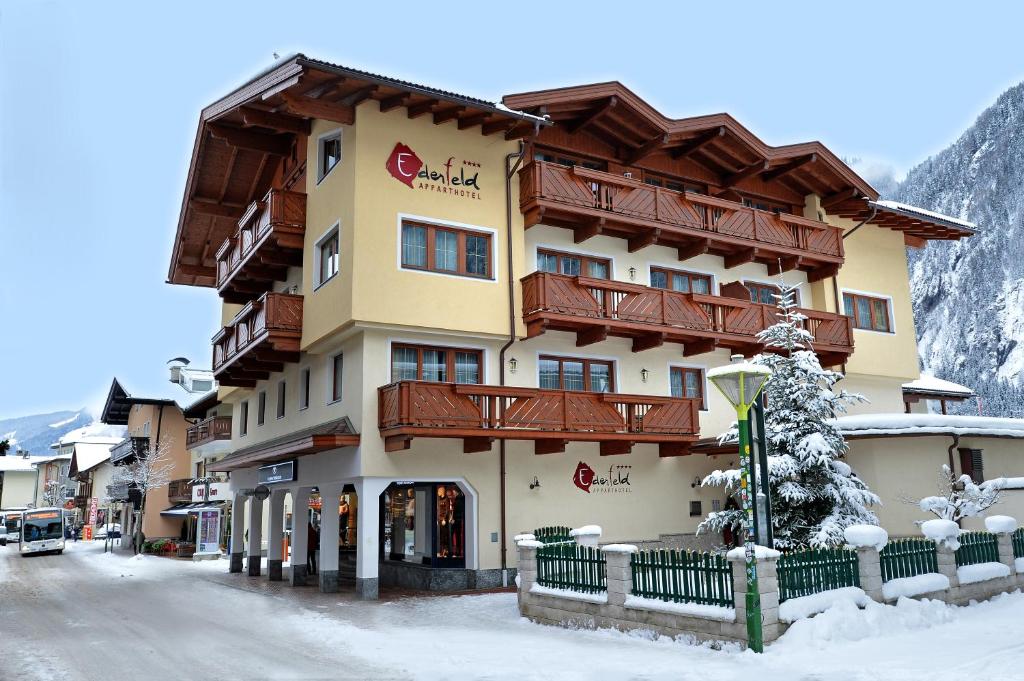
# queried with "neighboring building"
point(18, 480)
point(457, 320)
point(54, 484)
point(154, 423)
point(91, 468)
point(94, 438)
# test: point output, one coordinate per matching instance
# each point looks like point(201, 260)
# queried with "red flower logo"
point(404, 164)
point(584, 477)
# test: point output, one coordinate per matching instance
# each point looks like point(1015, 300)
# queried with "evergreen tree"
point(5, 446)
point(814, 494)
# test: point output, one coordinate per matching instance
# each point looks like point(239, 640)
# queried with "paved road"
point(74, 616)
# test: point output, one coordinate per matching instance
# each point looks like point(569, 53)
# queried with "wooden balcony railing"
point(208, 430)
point(597, 308)
point(481, 413)
point(593, 202)
point(129, 449)
point(179, 491)
point(260, 339)
point(268, 240)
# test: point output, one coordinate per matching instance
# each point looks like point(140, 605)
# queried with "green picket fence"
point(1018, 542)
point(683, 577)
point(977, 547)
point(553, 534)
point(908, 558)
point(571, 566)
point(811, 571)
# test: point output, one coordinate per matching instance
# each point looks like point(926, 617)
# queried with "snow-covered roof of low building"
point(13, 463)
point(88, 455)
point(94, 432)
point(876, 425)
point(930, 385)
point(914, 210)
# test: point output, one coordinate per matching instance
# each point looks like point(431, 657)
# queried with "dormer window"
point(328, 153)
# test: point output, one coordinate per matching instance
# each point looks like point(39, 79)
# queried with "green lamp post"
point(741, 383)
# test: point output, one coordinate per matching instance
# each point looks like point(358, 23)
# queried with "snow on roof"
point(17, 464)
point(929, 424)
point(90, 454)
point(931, 384)
point(906, 208)
point(96, 432)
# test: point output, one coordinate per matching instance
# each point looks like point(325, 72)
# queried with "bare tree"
point(146, 471)
point(959, 497)
point(53, 493)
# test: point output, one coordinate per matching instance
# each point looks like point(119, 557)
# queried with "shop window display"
point(424, 524)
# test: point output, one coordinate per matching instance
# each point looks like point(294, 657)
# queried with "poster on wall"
point(208, 532)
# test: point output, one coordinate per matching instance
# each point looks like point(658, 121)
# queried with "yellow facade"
point(167, 423)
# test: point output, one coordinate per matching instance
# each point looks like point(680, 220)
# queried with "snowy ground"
point(86, 615)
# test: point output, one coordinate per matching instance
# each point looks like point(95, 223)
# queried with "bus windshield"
point(41, 525)
point(12, 521)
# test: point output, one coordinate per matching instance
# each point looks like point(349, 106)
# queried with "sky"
point(99, 104)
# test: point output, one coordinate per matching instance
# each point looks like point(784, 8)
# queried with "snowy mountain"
point(969, 295)
point(36, 433)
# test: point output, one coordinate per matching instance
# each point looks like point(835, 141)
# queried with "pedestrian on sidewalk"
point(312, 546)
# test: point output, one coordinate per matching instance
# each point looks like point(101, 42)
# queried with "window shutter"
point(972, 464)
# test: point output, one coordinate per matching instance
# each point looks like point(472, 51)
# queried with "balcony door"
point(578, 374)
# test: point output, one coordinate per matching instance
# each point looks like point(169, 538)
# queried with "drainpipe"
point(952, 467)
point(509, 174)
point(835, 279)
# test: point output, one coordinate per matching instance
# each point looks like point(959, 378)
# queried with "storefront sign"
point(92, 511)
point(208, 532)
point(615, 481)
point(218, 492)
point(277, 472)
point(458, 178)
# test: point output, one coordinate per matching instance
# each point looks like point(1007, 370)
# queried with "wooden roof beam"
point(646, 149)
point(594, 114)
point(501, 125)
point(359, 96)
point(274, 121)
point(217, 210)
point(389, 103)
point(277, 145)
point(325, 88)
point(474, 120)
point(314, 108)
point(420, 108)
point(743, 173)
point(698, 142)
point(449, 114)
point(782, 171)
point(832, 200)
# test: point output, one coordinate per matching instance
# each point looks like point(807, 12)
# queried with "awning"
point(331, 435)
point(185, 509)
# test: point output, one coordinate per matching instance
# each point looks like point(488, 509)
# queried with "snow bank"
point(523, 537)
point(866, 535)
point(586, 531)
point(846, 622)
point(709, 612)
point(942, 532)
point(760, 552)
point(1000, 524)
point(620, 548)
point(601, 597)
point(914, 586)
point(1018, 565)
point(1003, 483)
point(805, 606)
point(980, 572)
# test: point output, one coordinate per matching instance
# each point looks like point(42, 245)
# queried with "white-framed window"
point(328, 153)
point(282, 392)
point(336, 367)
point(326, 256)
point(869, 311)
point(304, 376)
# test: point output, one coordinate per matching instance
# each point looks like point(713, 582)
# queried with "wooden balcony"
point(129, 449)
point(479, 414)
point(208, 430)
point(268, 240)
point(260, 339)
point(597, 308)
point(591, 202)
point(179, 491)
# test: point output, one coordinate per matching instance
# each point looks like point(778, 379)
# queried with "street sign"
point(283, 471)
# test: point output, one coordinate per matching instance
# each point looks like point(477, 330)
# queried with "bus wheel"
point(60, 551)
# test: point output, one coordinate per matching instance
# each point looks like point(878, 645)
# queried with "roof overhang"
point(327, 436)
point(242, 135)
point(917, 224)
point(119, 404)
point(617, 115)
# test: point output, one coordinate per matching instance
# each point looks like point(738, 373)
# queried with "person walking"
point(312, 546)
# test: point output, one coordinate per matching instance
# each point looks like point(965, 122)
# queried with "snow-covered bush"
point(959, 497)
point(942, 531)
point(815, 495)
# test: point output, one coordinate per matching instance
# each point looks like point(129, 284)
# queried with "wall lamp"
point(644, 374)
point(632, 274)
point(512, 364)
point(696, 481)
point(535, 484)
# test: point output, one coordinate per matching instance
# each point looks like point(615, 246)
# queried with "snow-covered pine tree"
point(814, 494)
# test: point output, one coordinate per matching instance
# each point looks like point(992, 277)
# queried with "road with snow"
point(89, 616)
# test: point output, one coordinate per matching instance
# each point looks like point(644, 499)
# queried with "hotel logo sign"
point(458, 178)
point(616, 481)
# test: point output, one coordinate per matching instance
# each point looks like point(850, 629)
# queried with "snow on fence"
point(571, 567)
point(682, 577)
point(811, 571)
point(902, 558)
point(977, 547)
point(553, 534)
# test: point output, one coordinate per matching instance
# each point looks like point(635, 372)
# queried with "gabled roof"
point(88, 455)
point(119, 404)
point(914, 222)
point(927, 386)
point(241, 136)
point(614, 112)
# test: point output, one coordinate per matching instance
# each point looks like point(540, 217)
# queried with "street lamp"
point(741, 382)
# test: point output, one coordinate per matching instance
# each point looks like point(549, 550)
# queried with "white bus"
point(42, 531)
point(11, 518)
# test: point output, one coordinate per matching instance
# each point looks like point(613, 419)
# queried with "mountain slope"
point(969, 296)
point(36, 433)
